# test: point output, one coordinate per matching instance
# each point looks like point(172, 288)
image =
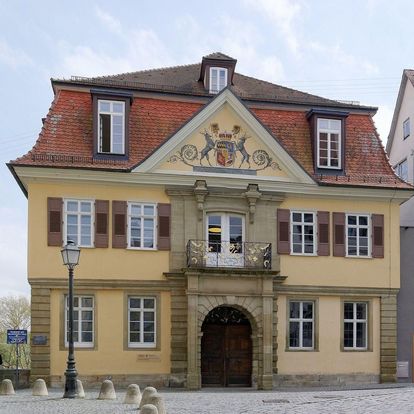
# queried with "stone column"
point(388, 338)
point(193, 368)
point(266, 381)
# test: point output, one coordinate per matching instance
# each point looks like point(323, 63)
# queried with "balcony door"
point(225, 236)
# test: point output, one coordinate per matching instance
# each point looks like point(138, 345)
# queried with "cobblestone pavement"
point(382, 400)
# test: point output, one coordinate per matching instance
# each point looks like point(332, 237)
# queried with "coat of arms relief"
point(224, 149)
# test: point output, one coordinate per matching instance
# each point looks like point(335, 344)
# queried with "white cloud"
point(13, 253)
point(138, 49)
point(283, 13)
point(339, 57)
point(13, 57)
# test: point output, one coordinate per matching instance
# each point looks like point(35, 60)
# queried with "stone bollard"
point(133, 395)
point(79, 389)
point(6, 387)
point(39, 388)
point(158, 401)
point(107, 391)
point(145, 395)
point(149, 409)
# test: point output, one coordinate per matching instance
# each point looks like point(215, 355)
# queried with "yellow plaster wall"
point(328, 358)
point(226, 118)
point(95, 263)
point(109, 356)
point(346, 271)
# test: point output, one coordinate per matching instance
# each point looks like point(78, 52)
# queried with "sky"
point(353, 51)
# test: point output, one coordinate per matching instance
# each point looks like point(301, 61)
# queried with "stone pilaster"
point(40, 326)
point(388, 339)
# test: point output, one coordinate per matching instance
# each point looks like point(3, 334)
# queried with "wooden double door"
point(226, 355)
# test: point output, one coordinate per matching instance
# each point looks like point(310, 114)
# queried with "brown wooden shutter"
point(164, 226)
point(339, 234)
point(101, 223)
point(283, 231)
point(119, 224)
point(323, 233)
point(54, 221)
point(377, 234)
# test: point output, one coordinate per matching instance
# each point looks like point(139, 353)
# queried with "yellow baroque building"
point(233, 232)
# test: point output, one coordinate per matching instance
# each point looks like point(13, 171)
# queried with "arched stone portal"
point(226, 349)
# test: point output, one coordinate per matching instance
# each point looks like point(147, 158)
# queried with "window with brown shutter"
point(119, 216)
point(54, 221)
point(377, 235)
point(339, 234)
point(164, 226)
point(101, 223)
point(283, 225)
point(323, 233)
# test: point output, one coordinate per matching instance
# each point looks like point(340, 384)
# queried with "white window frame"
point(111, 113)
point(219, 87)
point(302, 223)
point(80, 308)
point(142, 309)
point(358, 226)
point(301, 320)
point(79, 214)
point(142, 217)
point(329, 131)
point(399, 171)
point(354, 322)
point(406, 128)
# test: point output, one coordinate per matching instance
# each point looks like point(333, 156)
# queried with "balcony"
point(246, 255)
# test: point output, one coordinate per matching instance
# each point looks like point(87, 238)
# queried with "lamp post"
point(70, 256)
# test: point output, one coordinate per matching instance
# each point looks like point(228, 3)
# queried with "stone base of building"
point(95, 381)
point(323, 380)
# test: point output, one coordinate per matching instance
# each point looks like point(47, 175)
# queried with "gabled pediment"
point(225, 139)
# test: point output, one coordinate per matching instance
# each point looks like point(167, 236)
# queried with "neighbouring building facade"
point(233, 232)
point(400, 147)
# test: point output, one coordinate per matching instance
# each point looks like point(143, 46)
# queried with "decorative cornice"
point(335, 290)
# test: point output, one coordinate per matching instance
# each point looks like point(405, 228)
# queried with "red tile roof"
point(66, 139)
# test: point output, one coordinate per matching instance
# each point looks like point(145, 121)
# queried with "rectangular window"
point(141, 225)
point(402, 170)
point(301, 325)
point(218, 79)
point(78, 222)
point(141, 322)
point(111, 127)
point(303, 232)
point(329, 143)
point(83, 321)
point(357, 231)
point(355, 325)
point(406, 128)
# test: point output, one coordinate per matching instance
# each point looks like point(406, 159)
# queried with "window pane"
point(294, 334)
point(323, 123)
point(85, 207)
point(361, 310)
point(360, 335)
point(149, 316)
point(86, 240)
point(149, 303)
point(352, 220)
point(348, 335)
point(72, 206)
point(86, 336)
point(297, 248)
point(363, 220)
point(297, 217)
point(294, 309)
point(134, 302)
point(149, 327)
point(104, 106)
point(148, 210)
point(135, 209)
point(307, 310)
point(86, 326)
point(135, 316)
point(118, 107)
point(87, 302)
point(307, 335)
point(308, 218)
point(149, 337)
point(348, 310)
point(133, 337)
point(134, 326)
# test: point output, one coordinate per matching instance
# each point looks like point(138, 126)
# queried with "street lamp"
point(70, 256)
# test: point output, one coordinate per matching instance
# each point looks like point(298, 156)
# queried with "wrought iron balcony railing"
point(251, 255)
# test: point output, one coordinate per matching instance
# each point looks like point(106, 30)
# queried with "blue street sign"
point(16, 336)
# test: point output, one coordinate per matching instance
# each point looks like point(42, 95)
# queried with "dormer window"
point(218, 79)
point(329, 143)
point(111, 127)
point(328, 132)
